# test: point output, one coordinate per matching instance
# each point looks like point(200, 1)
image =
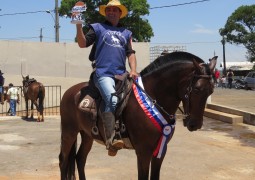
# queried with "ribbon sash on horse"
point(156, 118)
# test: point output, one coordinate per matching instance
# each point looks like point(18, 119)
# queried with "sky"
point(194, 25)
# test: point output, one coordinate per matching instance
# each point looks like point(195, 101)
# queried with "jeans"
point(1, 89)
point(13, 103)
point(106, 86)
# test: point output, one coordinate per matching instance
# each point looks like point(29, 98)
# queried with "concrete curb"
point(228, 114)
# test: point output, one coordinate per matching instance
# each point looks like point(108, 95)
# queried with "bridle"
point(187, 96)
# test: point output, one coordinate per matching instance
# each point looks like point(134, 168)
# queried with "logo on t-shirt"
point(114, 38)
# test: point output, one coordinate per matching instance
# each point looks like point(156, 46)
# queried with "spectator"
point(223, 81)
point(230, 75)
point(13, 98)
point(2, 87)
point(216, 76)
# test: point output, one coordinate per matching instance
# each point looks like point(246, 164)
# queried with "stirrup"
point(117, 144)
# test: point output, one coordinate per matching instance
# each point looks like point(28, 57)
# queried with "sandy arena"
point(29, 150)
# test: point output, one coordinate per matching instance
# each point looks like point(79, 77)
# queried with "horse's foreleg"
point(155, 167)
point(143, 163)
point(32, 110)
point(26, 109)
point(85, 147)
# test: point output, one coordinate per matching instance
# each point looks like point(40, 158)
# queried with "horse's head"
point(199, 87)
point(25, 79)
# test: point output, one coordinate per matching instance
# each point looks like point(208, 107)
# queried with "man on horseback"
point(112, 44)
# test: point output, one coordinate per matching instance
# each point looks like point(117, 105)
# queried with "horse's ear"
point(213, 63)
point(197, 66)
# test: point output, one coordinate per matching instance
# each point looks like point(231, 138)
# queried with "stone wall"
point(54, 59)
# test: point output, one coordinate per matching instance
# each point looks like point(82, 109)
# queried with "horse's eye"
point(196, 90)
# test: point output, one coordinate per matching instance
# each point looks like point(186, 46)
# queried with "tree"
point(140, 27)
point(240, 29)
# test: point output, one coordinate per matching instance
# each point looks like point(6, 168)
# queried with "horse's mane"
point(168, 59)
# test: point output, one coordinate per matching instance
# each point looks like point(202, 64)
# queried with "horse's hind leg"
point(155, 168)
point(85, 147)
point(42, 116)
point(67, 154)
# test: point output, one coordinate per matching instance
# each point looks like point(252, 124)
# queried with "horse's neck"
point(164, 86)
point(165, 95)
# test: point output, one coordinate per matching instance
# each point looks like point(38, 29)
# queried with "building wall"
point(55, 59)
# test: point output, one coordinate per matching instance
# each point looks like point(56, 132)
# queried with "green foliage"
point(240, 29)
point(140, 27)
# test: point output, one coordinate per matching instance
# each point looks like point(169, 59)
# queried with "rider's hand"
point(133, 74)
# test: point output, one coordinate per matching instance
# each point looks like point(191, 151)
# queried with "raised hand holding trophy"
point(77, 10)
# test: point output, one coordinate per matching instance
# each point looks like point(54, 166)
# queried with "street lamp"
point(56, 21)
point(223, 41)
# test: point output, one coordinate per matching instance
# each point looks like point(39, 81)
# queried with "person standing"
point(2, 87)
point(216, 76)
point(13, 98)
point(230, 75)
point(112, 44)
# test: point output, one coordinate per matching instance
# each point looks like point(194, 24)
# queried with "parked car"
point(248, 82)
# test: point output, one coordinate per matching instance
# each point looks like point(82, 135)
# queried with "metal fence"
point(51, 102)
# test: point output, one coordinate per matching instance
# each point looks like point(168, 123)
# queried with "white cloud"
point(200, 29)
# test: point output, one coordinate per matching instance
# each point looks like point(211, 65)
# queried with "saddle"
point(90, 102)
point(29, 81)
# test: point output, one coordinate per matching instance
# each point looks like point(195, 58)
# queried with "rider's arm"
point(131, 60)
point(85, 40)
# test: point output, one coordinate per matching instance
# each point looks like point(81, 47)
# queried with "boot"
point(112, 145)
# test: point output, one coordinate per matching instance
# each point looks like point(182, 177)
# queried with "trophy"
point(77, 10)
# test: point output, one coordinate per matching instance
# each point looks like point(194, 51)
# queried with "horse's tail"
point(41, 96)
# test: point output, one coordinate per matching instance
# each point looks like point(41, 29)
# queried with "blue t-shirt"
point(111, 44)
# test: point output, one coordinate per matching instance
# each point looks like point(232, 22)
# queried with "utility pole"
point(223, 41)
point(41, 36)
point(56, 22)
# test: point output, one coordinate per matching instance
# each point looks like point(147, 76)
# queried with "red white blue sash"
point(156, 118)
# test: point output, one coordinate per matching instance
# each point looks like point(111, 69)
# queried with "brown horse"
point(170, 79)
point(35, 92)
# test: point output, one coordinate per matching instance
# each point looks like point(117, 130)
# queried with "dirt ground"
point(29, 150)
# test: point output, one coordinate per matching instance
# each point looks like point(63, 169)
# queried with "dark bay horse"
point(35, 92)
point(171, 79)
